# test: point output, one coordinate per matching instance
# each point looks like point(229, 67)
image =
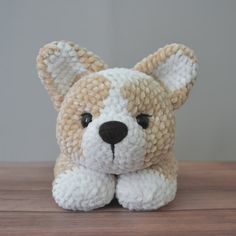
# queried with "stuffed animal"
point(115, 127)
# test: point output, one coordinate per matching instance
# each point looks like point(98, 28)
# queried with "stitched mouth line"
point(113, 151)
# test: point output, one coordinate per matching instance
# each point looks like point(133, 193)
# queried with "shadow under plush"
point(115, 127)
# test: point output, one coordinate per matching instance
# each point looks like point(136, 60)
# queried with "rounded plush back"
point(116, 120)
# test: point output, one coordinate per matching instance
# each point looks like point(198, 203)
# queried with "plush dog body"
point(115, 127)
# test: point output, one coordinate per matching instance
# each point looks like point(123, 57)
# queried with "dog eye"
point(143, 120)
point(86, 118)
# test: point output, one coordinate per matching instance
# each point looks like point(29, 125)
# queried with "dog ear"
point(60, 64)
point(175, 66)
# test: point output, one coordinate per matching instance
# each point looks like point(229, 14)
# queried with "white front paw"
point(145, 190)
point(83, 189)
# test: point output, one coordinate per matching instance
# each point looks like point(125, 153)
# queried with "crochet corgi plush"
point(115, 127)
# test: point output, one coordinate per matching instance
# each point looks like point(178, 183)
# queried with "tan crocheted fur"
point(87, 95)
point(150, 98)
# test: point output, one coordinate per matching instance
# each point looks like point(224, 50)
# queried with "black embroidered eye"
point(143, 120)
point(86, 118)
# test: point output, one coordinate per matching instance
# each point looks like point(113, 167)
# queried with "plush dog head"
point(116, 120)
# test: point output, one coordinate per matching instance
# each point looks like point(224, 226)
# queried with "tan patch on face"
point(87, 95)
point(167, 166)
point(63, 163)
point(149, 97)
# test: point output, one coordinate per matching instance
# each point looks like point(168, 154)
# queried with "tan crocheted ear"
point(175, 66)
point(60, 64)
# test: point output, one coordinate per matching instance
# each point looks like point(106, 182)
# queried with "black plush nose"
point(113, 132)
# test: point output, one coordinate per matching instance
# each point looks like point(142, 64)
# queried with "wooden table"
point(205, 205)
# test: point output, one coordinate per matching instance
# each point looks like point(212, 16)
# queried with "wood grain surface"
point(205, 205)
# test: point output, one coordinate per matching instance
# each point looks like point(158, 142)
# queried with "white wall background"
point(121, 32)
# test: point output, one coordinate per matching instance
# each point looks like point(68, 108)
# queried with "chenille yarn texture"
point(115, 127)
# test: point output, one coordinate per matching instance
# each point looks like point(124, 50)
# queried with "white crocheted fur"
point(145, 190)
point(83, 189)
